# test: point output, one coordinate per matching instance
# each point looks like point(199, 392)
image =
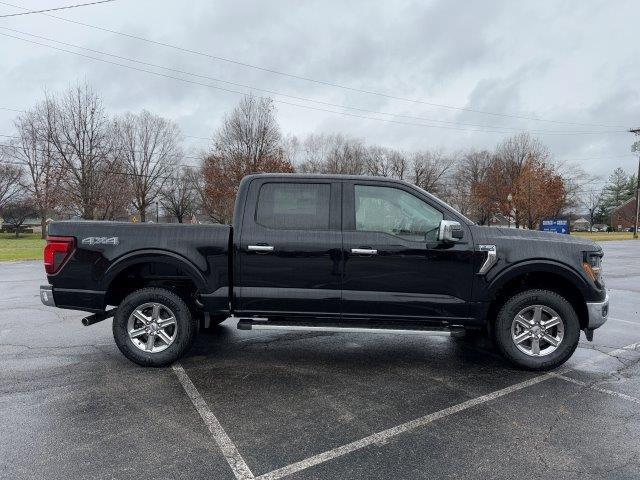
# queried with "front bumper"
point(598, 312)
point(46, 295)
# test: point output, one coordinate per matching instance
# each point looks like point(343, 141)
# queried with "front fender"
point(536, 266)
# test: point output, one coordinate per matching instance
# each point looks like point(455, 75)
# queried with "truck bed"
point(106, 250)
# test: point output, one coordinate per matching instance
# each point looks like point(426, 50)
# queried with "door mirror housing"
point(450, 231)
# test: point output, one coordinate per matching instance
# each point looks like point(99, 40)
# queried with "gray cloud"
point(569, 61)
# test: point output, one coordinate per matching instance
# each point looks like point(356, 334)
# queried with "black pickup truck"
point(324, 252)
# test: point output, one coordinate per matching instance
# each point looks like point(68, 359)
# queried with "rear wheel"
point(537, 330)
point(153, 327)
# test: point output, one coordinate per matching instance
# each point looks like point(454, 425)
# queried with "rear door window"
point(294, 206)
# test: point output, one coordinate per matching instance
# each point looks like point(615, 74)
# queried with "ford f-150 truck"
point(329, 252)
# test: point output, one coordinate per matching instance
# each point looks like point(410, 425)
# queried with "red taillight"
point(57, 252)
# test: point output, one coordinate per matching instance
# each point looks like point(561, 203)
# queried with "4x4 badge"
point(100, 241)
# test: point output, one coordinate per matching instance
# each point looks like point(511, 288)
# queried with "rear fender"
point(155, 256)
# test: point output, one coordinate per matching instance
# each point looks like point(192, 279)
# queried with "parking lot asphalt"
point(313, 405)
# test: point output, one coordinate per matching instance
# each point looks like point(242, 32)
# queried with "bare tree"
point(334, 153)
point(346, 156)
point(513, 153)
point(116, 205)
point(576, 181)
point(10, 181)
point(429, 169)
point(16, 212)
point(249, 141)
point(315, 149)
point(386, 162)
point(82, 137)
point(593, 201)
point(468, 173)
point(34, 148)
point(149, 147)
point(180, 195)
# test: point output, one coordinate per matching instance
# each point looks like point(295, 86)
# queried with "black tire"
point(511, 308)
point(185, 333)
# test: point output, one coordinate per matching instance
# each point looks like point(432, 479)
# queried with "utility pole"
point(636, 132)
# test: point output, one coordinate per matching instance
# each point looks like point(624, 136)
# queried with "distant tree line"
point(69, 158)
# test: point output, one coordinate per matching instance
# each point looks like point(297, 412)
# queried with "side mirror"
point(450, 231)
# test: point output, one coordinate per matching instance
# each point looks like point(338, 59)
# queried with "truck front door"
point(395, 267)
point(289, 255)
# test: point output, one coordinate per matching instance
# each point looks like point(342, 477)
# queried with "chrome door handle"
point(260, 248)
point(364, 251)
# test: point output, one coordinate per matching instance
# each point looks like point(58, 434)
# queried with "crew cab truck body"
point(330, 252)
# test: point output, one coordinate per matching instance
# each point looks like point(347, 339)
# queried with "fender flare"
point(154, 256)
point(537, 266)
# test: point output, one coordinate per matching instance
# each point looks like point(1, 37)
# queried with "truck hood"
point(483, 234)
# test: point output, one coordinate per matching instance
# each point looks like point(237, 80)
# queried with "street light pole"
point(157, 213)
point(509, 199)
point(636, 132)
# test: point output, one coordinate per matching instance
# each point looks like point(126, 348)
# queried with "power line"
point(271, 92)
point(29, 12)
point(597, 158)
point(23, 111)
point(183, 156)
point(115, 172)
point(12, 109)
point(16, 147)
point(309, 79)
point(308, 107)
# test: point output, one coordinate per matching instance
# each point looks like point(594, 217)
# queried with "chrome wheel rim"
point(537, 330)
point(152, 327)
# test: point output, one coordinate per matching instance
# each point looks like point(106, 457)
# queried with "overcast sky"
point(561, 61)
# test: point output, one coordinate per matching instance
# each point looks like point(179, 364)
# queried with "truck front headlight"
point(592, 265)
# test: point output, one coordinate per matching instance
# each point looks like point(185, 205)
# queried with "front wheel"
point(537, 330)
point(153, 327)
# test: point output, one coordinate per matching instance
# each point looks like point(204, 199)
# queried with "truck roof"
point(327, 175)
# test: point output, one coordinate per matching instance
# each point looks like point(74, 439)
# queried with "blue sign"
point(557, 225)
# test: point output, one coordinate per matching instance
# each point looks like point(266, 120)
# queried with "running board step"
point(261, 324)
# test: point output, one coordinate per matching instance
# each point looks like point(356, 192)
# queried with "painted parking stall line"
point(637, 324)
point(380, 437)
point(624, 396)
point(385, 435)
point(239, 467)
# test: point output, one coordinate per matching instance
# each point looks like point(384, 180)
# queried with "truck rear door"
point(289, 254)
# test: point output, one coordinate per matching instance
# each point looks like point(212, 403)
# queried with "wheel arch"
point(546, 275)
point(150, 268)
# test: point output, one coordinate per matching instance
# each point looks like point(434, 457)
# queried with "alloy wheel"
point(537, 330)
point(152, 327)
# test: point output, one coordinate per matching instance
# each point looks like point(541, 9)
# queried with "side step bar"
point(261, 324)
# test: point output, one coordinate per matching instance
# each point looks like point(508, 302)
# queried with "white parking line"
point(637, 324)
point(242, 471)
point(231, 454)
point(395, 431)
point(598, 389)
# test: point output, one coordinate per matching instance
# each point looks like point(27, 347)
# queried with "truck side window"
point(294, 206)
point(394, 211)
